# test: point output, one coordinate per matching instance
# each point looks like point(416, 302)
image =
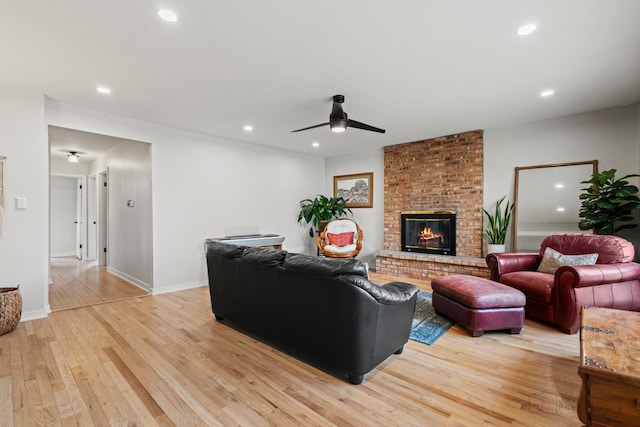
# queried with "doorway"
point(87, 271)
point(97, 220)
point(102, 219)
point(66, 214)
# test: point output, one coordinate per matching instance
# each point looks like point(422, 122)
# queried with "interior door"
point(78, 220)
point(92, 218)
point(103, 198)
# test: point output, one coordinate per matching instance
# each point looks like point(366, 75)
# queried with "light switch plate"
point(21, 203)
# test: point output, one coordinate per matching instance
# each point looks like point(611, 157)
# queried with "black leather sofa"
point(323, 311)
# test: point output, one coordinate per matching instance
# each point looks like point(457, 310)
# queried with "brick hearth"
point(435, 174)
point(428, 266)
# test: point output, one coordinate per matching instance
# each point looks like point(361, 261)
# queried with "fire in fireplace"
point(431, 232)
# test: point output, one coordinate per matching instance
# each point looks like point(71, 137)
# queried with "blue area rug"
point(427, 326)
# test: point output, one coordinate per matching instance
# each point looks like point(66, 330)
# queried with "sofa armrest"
point(502, 263)
point(391, 293)
point(569, 299)
point(579, 276)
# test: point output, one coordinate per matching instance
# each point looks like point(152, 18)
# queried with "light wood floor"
point(83, 283)
point(164, 360)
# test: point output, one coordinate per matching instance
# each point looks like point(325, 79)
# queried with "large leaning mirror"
point(547, 201)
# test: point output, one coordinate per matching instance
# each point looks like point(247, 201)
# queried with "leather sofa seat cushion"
point(476, 292)
point(610, 249)
point(535, 285)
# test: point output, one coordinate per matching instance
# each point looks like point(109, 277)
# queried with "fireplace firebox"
point(431, 232)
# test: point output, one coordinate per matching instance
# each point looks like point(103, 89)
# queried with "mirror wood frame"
point(518, 169)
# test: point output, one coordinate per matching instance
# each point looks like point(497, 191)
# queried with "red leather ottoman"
point(479, 304)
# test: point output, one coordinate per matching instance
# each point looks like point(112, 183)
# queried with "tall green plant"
point(496, 232)
point(321, 209)
point(608, 203)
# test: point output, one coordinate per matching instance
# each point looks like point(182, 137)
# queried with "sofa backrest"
point(223, 250)
point(610, 249)
point(267, 256)
point(330, 267)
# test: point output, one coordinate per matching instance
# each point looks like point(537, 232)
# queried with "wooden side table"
point(609, 367)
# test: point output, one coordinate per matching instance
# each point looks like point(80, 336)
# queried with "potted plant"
point(608, 203)
point(496, 232)
point(320, 210)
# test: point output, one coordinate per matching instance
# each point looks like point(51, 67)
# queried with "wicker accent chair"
point(341, 238)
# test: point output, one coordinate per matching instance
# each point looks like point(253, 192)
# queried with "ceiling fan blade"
point(358, 125)
point(311, 127)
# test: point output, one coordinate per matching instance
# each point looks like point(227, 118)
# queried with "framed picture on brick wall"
point(355, 189)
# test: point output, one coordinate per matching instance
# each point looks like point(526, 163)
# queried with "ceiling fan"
point(338, 120)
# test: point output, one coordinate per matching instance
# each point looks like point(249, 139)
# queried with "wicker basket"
point(10, 309)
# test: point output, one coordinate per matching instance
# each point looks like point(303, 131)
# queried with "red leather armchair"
point(613, 282)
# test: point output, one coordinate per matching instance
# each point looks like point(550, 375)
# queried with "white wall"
point(609, 136)
point(203, 184)
point(638, 133)
point(63, 207)
point(24, 249)
point(130, 239)
point(371, 220)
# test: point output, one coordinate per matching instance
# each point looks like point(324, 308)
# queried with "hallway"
point(83, 283)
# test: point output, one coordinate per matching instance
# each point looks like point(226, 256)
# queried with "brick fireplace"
point(439, 174)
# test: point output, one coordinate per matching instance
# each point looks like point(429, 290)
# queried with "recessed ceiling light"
point(547, 92)
point(248, 128)
point(315, 144)
point(526, 29)
point(560, 209)
point(167, 15)
point(103, 89)
point(559, 185)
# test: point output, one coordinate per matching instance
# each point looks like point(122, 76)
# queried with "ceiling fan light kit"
point(339, 121)
point(338, 126)
point(73, 157)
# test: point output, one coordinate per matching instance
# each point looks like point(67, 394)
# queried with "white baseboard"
point(33, 315)
point(132, 280)
point(178, 287)
point(62, 254)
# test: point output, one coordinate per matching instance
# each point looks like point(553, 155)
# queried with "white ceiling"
point(88, 146)
point(417, 68)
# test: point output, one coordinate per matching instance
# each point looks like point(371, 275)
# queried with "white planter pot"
point(493, 249)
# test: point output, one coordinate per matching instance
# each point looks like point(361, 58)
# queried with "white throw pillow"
point(552, 260)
